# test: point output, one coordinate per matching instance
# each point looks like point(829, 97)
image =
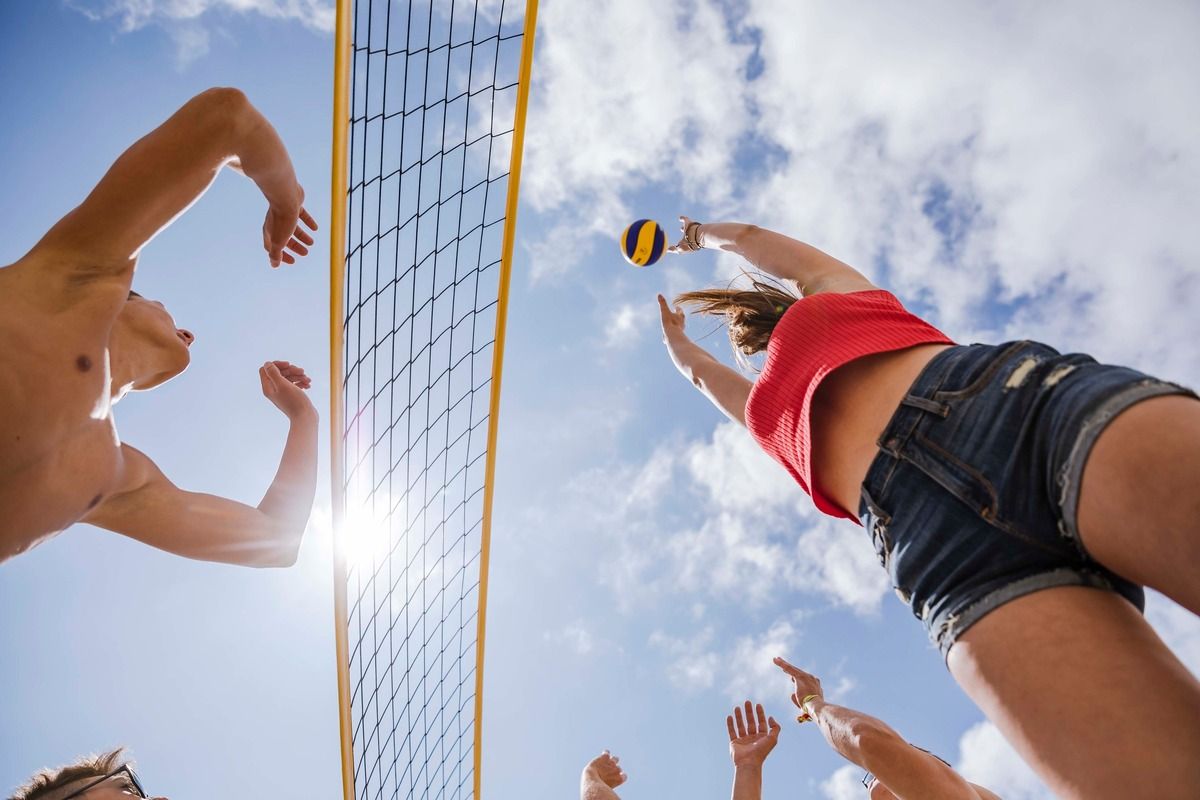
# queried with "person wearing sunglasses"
point(895, 769)
point(108, 776)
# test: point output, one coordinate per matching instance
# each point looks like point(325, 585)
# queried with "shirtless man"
point(74, 340)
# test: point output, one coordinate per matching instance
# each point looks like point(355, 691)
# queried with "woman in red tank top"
point(1019, 498)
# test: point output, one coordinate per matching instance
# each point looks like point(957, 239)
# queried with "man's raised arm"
point(167, 170)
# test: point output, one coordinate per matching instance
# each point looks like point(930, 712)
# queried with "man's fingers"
point(308, 220)
point(297, 247)
point(762, 717)
point(751, 726)
point(773, 725)
point(738, 723)
point(302, 235)
point(729, 725)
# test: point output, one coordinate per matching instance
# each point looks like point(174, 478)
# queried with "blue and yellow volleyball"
point(643, 242)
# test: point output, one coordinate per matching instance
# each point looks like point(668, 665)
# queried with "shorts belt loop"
point(925, 404)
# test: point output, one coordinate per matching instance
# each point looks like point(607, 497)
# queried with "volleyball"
point(643, 242)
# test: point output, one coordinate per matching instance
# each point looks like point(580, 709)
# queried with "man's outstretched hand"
point(284, 238)
point(751, 738)
point(284, 385)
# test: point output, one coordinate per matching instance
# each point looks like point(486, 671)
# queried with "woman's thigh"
point(1139, 502)
point(1088, 694)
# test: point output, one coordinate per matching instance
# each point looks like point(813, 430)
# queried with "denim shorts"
point(972, 499)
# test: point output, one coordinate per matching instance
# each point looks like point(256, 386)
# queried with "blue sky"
point(1009, 172)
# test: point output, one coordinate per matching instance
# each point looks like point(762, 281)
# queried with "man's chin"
point(161, 378)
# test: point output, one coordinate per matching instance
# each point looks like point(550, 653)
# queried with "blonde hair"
point(44, 784)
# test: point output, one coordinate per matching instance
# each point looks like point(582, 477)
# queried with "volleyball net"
point(429, 106)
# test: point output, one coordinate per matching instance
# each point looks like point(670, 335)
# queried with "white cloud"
point(626, 99)
point(575, 636)
point(987, 759)
point(184, 20)
point(621, 329)
point(830, 559)
point(752, 676)
point(719, 518)
point(1025, 153)
point(692, 665)
point(1178, 627)
point(844, 784)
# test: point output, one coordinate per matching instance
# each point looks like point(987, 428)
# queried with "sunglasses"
point(133, 784)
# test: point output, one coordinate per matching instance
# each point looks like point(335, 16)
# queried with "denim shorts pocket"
point(984, 379)
point(960, 479)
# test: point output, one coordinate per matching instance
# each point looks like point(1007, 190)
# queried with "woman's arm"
point(908, 772)
point(153, 510)
point(810, 269)
point(727, 389)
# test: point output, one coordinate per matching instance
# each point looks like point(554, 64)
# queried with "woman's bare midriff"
point(851, 408)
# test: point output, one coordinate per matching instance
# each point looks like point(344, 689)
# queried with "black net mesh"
point(433, 97)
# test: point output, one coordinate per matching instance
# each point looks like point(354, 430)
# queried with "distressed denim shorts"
point(972, 499)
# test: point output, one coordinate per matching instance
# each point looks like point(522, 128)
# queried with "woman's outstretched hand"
point(688, 244)
point(284, 385)
point(753, 738)
point(684, 353)
point(673, 321)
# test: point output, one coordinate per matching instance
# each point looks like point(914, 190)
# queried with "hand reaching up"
point(751, 738)
point(601, 775)
point(284, 385)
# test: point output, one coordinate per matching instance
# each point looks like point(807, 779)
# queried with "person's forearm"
point(747, 783)
point(725, 387)
point(853, 734)
point(262, 156)
point(289, 499)
point(782, 256)
point(591, 787)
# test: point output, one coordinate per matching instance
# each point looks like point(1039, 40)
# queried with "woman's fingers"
point(738, 723)
point(762, 718)
point(263, 378)
point(751, 725)
point(729, 726)
point(773, 726)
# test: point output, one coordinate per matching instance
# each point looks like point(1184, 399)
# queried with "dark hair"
point(44, 783)
point(751, 314)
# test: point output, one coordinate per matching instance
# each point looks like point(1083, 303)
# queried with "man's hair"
point(43, 785)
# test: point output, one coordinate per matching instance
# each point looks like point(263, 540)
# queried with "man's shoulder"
point(60, 289)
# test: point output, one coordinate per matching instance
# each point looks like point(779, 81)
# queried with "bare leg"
point(1087, 693)
point(1139, 505)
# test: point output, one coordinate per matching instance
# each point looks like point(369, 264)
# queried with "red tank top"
point(818, 334)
